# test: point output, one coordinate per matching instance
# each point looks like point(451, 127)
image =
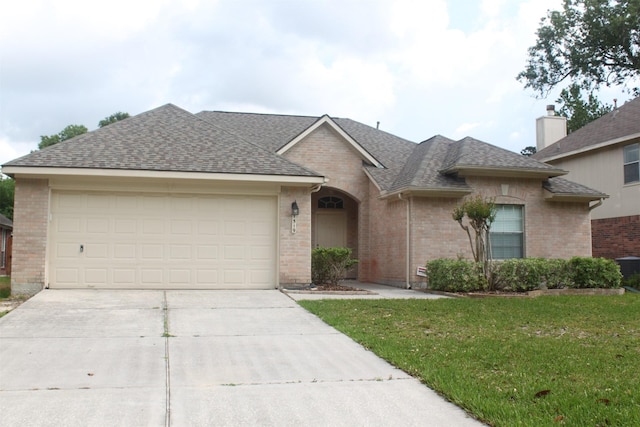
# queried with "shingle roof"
point(422, 169)
point(6, 222)
point(470, 153)
point(167, 138)
point(171, 139)
point(563, 186)
point(618, 124)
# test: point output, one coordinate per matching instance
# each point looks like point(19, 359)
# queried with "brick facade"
point(31, 212)
point(295, 248)
point(326, 152)
point(616, 237)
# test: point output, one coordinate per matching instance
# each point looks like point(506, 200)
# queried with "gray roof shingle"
point(559, 186)
point(5, 222)
point(618, 124)
point(167, 138)
point(472, 153)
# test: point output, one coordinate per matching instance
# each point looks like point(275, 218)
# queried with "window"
point(631, 163)
point(330, 202)
point(507, 237)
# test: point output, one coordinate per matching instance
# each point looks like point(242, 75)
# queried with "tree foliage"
point(66, 133)
point(7, 191)
point(578, 111)
point(589, 42)
point(75, 130)
point(115, 117)
point(480, 213)
point(529, 151)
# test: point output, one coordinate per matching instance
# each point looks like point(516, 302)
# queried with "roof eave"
point(426, 192)
point(504, 172)
point(44, 172)
point(608, 143)
point(573, 197)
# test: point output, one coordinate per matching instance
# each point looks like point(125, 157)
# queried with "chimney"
point(550, 128)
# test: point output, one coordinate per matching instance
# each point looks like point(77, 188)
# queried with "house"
point(169, 199)
point(6, 227)
point(604, 154)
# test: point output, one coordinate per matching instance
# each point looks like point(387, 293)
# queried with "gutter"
point(592, 207)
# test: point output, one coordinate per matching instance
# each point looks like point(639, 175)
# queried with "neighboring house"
point(605, 154)
point(169, 199)
point(6, 227)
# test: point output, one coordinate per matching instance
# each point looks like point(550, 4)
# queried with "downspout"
point(407, 242)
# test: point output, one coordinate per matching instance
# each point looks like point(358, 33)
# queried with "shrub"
point(527, 274)
point(451, 275)
point(520, 274)
point(633, 281)
point(329, 265)
point(594, 273)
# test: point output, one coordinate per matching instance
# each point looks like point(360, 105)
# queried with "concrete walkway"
point(196, 358)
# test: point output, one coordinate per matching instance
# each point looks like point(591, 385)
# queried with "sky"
point(420, 68)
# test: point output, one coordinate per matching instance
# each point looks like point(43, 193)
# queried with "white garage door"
point(151, 241)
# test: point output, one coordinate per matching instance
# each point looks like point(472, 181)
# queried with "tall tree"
point(7, 190)
point(589, 42)
point(528, 151)
point(578, 111)
point(75, 130)
point(115, 117)
point(66, 133)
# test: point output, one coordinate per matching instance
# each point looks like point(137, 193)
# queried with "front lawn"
point(546, 361)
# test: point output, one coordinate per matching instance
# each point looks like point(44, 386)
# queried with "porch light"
point(295, 211)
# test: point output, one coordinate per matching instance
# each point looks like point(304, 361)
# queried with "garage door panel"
point(162, 241)
point(98, 225)
point(124, 277)
point(97, 251)
point(95, 276)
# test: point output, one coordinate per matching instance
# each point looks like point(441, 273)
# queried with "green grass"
point(5, 286)
point(546, 361)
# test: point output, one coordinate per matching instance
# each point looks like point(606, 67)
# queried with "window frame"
point(493, 234)
point(635, 162)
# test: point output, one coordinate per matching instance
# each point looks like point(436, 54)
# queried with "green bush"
point(524, 274)
point(527, 274)
point(520, 274)
point(595, 273)
point(329, 265)
point(451, 275)
point(633, 281)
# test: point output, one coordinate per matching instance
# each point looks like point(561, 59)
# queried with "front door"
point(331, 229)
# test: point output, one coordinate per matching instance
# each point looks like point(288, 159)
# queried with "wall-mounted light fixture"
point(295, 211)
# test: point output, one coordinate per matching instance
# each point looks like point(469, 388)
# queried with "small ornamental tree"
point(480, 213)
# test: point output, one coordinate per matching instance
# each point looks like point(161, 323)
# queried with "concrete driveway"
point(196, 358)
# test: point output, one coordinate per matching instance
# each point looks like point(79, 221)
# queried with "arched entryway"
point(335, 222)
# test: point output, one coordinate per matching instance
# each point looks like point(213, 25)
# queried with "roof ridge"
point(262, 114)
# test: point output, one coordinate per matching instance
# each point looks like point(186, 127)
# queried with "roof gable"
point(326, 120)
point(619, 125)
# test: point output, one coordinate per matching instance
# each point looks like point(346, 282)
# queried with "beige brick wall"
point(326, 152)
point(295, 249)
point(30, 224)
point(387, 236)
point(552, 229)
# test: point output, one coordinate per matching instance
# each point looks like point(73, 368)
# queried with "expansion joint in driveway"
point(167, 335)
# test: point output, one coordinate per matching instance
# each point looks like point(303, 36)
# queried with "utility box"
point(629, 266)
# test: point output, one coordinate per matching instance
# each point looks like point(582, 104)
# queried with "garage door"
point(152, 241)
